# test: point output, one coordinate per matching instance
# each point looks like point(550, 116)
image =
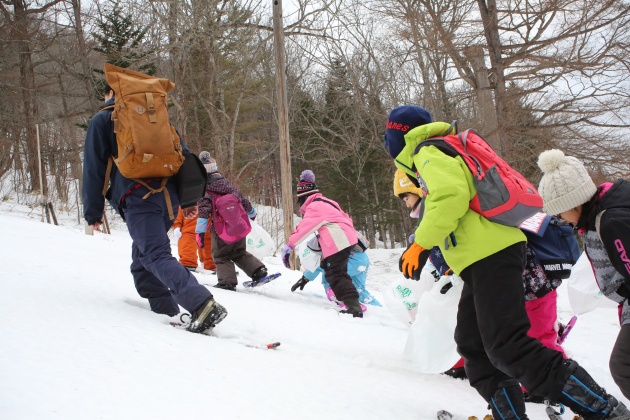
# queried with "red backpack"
point(230, 219)
point(503, 195)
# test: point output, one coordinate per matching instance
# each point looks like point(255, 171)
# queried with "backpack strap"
point(108, 171)
point(327, 202)
point(463, 139)
point(449, 150)
point(360, 246)
point(438, 142)
point(215, 179)
point(162, 188)
point(598, 223)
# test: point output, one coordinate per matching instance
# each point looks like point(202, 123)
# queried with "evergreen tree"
point(120, 42)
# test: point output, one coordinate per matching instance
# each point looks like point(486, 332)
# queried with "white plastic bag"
point(583, 291)
point(431, 344)
point(310, 253)
point(401, 297)
point(258, 241)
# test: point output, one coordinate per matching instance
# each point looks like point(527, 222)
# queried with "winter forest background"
point(529, 75)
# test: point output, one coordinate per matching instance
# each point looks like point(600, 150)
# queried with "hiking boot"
point(353, 307)
point(226, 286)
point(508, 401)
point(207, 317)
point(259, 274)
point(585, 397)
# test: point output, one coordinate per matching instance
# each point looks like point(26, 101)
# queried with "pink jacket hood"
point(333, 226)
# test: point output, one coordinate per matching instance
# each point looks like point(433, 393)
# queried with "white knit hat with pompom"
point(565, 183)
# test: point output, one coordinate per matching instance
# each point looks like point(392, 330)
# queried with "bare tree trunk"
point(488, 11)
point(85, 62)
point(27, 84)
point(483, 93)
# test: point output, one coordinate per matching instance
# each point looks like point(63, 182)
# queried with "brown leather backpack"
point(148, 145)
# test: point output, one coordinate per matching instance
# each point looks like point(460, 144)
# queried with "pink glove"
point(199, 237)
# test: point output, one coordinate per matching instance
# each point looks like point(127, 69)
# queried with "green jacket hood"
point(404, 160)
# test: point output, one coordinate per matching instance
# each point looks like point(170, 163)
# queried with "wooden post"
point(41, 181)
point(283, 120)
point(52, 213)
point(106, 223)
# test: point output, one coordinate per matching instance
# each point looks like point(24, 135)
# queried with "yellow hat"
point(402, 184)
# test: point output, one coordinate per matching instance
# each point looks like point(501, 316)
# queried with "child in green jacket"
point(492, 323)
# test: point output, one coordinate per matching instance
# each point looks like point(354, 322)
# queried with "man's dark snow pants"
point(492, 327)
point(158, 276)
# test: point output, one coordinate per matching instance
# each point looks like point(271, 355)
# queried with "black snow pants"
point(492, 325)
point(336, 270)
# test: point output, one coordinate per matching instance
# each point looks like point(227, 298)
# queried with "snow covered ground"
point(77, 342)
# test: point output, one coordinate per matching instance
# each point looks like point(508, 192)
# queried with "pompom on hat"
point(208, 162)
point(307, 184)
point(204, 157)
point(402, 119)
point(565, 183)
point(307, 176)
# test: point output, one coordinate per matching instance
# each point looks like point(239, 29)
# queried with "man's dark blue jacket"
point(100, 144)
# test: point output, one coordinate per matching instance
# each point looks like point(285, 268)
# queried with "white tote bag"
point(431, 344)
point(310, 253)
point(258, 241)
point(583, 291)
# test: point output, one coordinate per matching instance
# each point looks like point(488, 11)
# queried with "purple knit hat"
point(306, 185)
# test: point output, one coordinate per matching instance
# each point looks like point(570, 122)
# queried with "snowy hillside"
point(77, 342)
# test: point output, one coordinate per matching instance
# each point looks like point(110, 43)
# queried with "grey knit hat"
point(204, 157)
point(565, 183)
point(208, 162)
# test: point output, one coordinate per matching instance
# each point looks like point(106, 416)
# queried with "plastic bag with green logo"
point(431, 344)
point(259, 242)
point(401, 297)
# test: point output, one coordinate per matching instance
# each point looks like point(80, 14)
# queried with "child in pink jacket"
point(336, 235)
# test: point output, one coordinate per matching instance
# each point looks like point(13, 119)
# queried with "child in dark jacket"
point(225, 255)
point(602, 216)
point(336, 237)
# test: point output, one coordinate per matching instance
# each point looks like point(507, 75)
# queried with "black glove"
point(300, 284)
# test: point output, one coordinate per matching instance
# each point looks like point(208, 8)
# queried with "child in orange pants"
point(184, 232)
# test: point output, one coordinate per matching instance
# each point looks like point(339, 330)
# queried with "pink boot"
point(331, 297)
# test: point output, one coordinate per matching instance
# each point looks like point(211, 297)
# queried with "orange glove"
point(412, 261)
